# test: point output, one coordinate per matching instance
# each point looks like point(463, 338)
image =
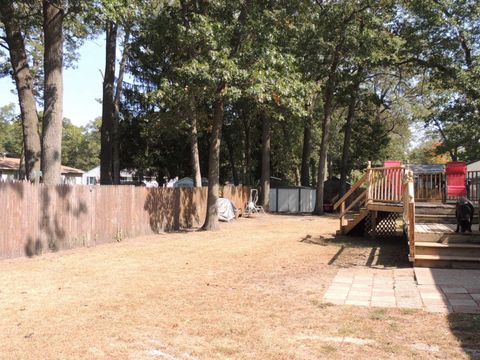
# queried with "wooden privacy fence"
point(38, 218)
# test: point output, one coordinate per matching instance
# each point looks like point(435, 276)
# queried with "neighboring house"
point(92, 177)
point(9, 171)
point(188, 182)
point(474, 166)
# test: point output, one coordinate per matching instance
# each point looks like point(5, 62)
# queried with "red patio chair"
point(456, 178)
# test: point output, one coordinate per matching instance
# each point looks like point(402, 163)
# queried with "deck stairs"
point(438, 245)
point(436, 242)
point(354, 219)
point(357, 222)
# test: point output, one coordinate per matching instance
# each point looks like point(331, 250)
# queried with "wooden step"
point(446, 257)
point(435, 218)
point(447, 237)
point(448, 245)
point(447, 261)
point(351, 224)
point(471, 251)
point(437, 209)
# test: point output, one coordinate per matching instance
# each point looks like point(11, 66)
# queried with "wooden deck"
point(389, 196)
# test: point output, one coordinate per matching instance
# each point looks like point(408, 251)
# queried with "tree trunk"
point(197, 175)
point(306, 153)
point(116, 116)
point(313, 172)
point(231, 157)
point(265, 178)
point(248, 156)
point(108, 108)
point(53, 15)
point(24, 85)
point(327, 118)
point(211, 219)
point(347, 139)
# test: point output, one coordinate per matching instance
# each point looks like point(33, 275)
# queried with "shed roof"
point(474, 166)
point(426, 168)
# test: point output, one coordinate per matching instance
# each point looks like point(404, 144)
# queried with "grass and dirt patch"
point(252, 290)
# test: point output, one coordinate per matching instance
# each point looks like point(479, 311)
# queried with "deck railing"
point(473, 177)
point(385, 184)
point(431, 187)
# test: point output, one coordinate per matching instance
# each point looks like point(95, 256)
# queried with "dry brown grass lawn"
point(252, 290)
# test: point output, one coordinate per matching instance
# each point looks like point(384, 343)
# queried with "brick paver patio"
point(398, 288)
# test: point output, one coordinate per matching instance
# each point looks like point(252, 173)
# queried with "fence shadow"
point(161, 205)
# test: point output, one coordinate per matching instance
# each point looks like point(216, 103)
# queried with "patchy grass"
point(252, 290)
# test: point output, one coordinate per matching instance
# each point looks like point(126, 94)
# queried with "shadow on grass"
point(364, 251)
point(466, 328)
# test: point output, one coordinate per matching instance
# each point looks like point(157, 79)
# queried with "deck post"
point(409, 212)
point(342, 218)
point(369, 190)
point(373, 215)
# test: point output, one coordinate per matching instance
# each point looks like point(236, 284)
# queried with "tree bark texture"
point(247, 153)
point(108, 107)
point(231, 157)
point(211, 219)
point(327, 119)
point(53, 14)
point(265, 177)
point(344, 167)
point(306, 153)
point(116, 116)
point(24, 85)
point(197, 175)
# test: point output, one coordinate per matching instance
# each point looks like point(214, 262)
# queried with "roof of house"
point(14, 163)
point(474, 166)
point(426, 168)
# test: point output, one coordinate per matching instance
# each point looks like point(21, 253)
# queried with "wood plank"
point(355, 221)
point(385, 207)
